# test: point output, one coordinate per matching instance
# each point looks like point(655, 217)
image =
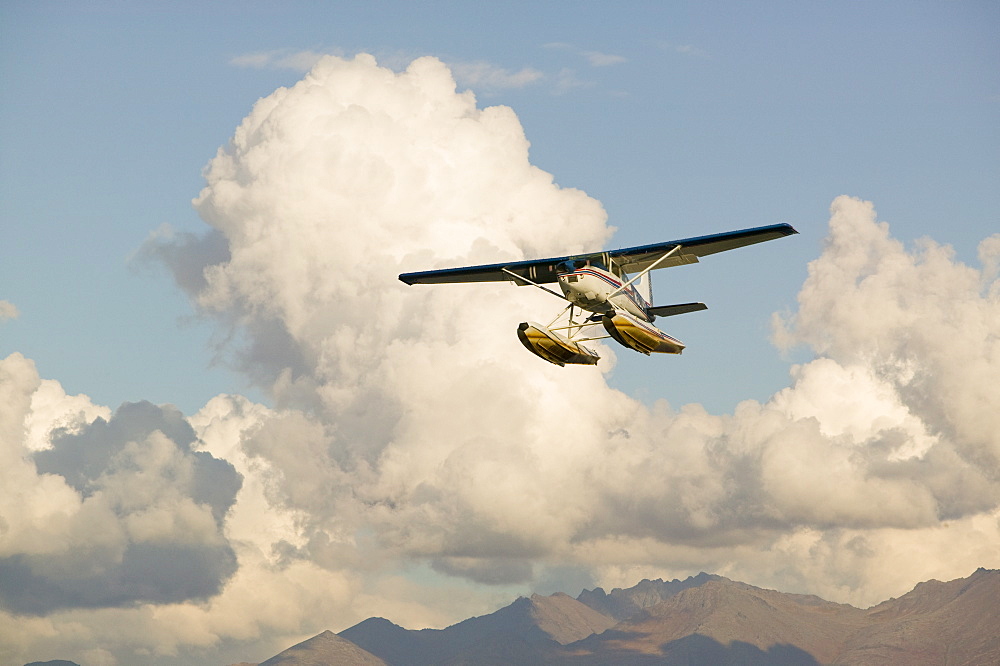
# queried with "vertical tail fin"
point(645, 288)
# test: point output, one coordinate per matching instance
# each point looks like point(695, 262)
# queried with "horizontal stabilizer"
point(671, 310)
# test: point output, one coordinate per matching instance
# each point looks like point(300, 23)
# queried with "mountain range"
point(705, 619)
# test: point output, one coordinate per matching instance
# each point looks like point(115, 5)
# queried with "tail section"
point(671, 310)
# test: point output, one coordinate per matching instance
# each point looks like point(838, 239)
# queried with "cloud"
point(395, 390)
point(685, 49)
point(300, 61)
point(598, 59)
point(113, 512)
point(567, 81)
point(51, 410)
point(593, 58)
point(8, 311)
point(412, 446)
point(924, 323)
point(485, 77)
point(489, 78)
point(688, 49)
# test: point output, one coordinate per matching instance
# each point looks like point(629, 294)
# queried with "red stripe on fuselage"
point(630, 291)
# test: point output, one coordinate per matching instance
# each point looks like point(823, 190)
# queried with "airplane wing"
point(632, 259)
point(538, 271)
point(635, 259)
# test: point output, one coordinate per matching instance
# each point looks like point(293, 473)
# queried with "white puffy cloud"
point(424, 422)
point(922, 322)
point(52, 410)
point(412, 440)
point(109, 512)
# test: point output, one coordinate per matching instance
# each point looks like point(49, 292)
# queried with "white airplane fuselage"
point(597, 290)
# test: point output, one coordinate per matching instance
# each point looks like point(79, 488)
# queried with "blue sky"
point(390, 450)
point(702, 118)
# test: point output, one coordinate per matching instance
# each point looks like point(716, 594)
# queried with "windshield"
point(576, 264)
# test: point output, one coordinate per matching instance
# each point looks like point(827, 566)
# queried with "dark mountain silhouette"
point(524, 632)
point(705, 619)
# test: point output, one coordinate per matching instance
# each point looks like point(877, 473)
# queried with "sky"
point(227, 426)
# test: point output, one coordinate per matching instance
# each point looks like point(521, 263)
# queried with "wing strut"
point(561, 313)
point(520, 278)
point(644, 271)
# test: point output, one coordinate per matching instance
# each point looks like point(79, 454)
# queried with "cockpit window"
point(576, 264)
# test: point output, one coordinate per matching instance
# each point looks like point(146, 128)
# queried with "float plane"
point(600, 292)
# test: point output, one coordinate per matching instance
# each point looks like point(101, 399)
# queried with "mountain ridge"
point(322, 649)
point(704, 619)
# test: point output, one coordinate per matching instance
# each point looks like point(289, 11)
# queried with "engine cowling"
point(553, 347)
point(639, 335)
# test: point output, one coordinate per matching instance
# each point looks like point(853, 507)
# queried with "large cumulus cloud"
point(413, 415)
point(924, 324)
point(113, 512)
point(410, 435)
point(328, 190)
